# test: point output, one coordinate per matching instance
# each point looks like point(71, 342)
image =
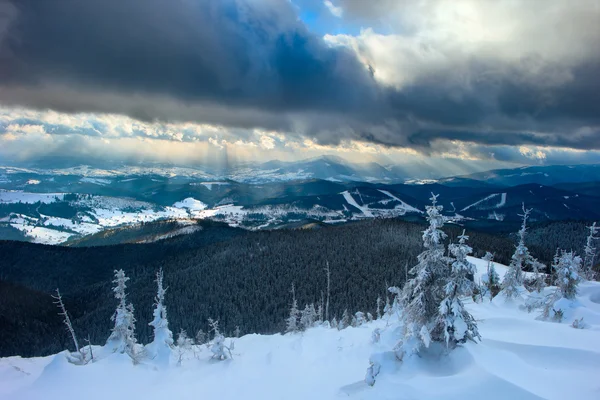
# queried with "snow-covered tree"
point(369, 317)
point(218, 348)
point(568, 274)
point(184, 345)
point(160, 348)
point(539, 282)
point(423, 293)
point(292, 320)
point(493, 279)
point(78, 357)
point(328, 274)
point(201, 337)
point(459, 326)
point(379, 302)
point(345, 321)
point(512, 284)
point(308, 317)
point(359, 319)
point(122, 338)
point(589, 252)
point(335, 323)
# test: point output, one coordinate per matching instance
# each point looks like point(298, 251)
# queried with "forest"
point(242, 278)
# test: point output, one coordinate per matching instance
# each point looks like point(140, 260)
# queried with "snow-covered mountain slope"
point(519, 357)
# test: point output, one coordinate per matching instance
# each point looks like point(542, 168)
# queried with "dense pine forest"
point(239, 277)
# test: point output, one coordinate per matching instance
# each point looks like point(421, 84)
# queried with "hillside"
point(518, 357)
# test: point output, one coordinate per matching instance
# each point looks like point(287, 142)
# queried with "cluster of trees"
point(123, 339)
point(430, 305)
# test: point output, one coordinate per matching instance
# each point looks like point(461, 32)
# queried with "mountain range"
point(58, 206)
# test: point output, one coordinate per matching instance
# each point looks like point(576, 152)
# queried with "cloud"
point(335, 11)
point(425, 72)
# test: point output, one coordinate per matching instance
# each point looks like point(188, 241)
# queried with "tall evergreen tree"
point(160, 348)
point(459, 325)
point(568, 274)
point(589, 252)
point(493, 279)
point(512, 284)
point(122, 339)
point(292, 320)
point(424, 292)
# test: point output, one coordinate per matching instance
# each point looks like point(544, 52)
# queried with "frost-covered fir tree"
point(345, 321)
point(160, 348)
point(335, 323)
point(424, 292)
point(308, 317)
point(568, 274)
point(589, 252)
point(379, 302)
point(359, 319)
point(122, 338)
point(512, 284)
point(539, 282)
point(493, 279)
point(292, 320)
point(218, 348)
point(458, 324)
point(184, 345)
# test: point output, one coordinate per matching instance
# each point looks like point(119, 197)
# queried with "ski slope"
point(519, 357)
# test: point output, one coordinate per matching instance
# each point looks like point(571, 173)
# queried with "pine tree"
point(308, 317)
point(539, 282)
point(122, 339)
point(292, 321)
point(359, 319)
point(160, 348)
point(493, 279)
point(345, 321)
point(184, 345)
point(422, 294)
point(512, 284)
point(589, 252)
point(328, 274)
point(568, 274)
point(459, 325)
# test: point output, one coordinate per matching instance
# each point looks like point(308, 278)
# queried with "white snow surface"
point(191, 204)
point(519, 357)
point(17, 196)
point(350, 200)
point(407, 207)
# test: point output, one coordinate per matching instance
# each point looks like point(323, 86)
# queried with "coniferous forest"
point(241, 278)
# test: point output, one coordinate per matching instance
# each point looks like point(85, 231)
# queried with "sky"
point(492, 83)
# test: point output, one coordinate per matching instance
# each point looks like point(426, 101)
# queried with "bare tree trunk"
point(67, 320)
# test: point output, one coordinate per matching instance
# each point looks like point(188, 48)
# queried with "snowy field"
point(519, 358)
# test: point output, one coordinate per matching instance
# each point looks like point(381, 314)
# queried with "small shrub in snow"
point(217, 346)
point(578, 323)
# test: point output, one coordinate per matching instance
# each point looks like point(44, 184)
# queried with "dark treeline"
point(241, 278)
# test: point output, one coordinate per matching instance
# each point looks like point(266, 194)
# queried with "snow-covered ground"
point(519, 357)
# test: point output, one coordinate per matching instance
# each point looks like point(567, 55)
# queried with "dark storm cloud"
point(254, 64)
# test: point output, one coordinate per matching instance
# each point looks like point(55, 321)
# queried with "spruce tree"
point(423, 293)
point(459, 325)
point(589, 252)
point(292, 320)
point(122, 338)
point(160, 348)
point(568, 274)
point(512, 284)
